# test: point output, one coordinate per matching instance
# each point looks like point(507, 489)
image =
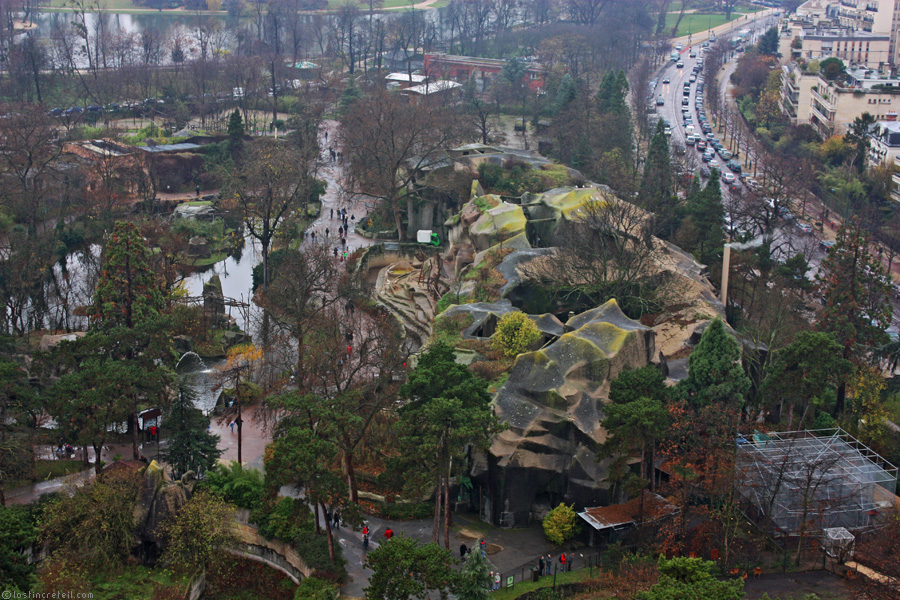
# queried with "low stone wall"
point(383, 254)
point(273, 553)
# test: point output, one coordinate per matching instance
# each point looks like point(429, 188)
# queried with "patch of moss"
point(553, 399)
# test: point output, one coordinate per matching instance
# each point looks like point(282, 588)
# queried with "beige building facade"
point(836, 104)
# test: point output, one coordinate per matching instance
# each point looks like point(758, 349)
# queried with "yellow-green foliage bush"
point(515, 333)
point(561, 524)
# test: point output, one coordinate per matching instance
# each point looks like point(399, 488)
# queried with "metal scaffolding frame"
point(802, 481)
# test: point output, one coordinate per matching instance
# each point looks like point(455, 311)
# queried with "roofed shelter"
point(609, 524)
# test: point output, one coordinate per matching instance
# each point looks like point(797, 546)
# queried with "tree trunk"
point(98, 450)
point(240, 423)
point(447, 505)
point(330, 537)
point(316, 515)
point(351, 477)
point(841, 389)
point(135, 451)
point(436, 530)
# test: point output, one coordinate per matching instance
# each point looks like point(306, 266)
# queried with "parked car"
point(726, 155)
point(804, 228)
point(728, 178)
point(713, 164)
point(705, 172)
point(701, 145)
point(827, 245)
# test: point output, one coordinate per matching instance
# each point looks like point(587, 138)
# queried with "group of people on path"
point(545, 564)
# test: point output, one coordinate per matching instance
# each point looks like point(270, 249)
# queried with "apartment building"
point(796, 92)
point(836, 104)
point(878, 17)
point(884, 141)
point(851, 46)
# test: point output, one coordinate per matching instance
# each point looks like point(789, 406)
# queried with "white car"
point(728, 177)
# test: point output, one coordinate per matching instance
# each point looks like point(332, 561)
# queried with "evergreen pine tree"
point(565, 94)
point(768, 42)
point(128, 292)
point(474, 580)
point(715, 375)
point(614, 123)
point(191, 447)
point(349, 96)
point(656, 184)
point(708, 215)
point(235, 131)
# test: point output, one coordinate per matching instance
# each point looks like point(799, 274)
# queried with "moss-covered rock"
point(496, 225)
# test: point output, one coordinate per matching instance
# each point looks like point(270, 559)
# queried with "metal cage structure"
point(797, 482)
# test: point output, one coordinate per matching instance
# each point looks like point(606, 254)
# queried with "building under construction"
point(812, 480)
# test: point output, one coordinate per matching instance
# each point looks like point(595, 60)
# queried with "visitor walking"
point(365, 543)
point(483, 549)
point(232, 426)
point(548, 562)
point(541, 565)
point(462, 550)
point(496, 581)
point(326, 232)
point(388, 533)
point(562, 562)
point(337, 520)
point(332, 213)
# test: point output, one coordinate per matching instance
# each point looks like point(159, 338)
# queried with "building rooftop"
point(475, 60)
point(406, 78)
point(170, 147)
point(617, 516)
point(868, 78)
point(434, 87)
point(842, 34)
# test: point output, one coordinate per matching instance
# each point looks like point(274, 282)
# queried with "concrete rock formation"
point(553, 404)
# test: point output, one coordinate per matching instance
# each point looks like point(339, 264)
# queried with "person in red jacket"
point(388, 533)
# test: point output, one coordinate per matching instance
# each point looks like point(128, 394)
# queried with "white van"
point(689, 130)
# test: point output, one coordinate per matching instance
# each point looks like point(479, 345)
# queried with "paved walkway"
point(511, 551)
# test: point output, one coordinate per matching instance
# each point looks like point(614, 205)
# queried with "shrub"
point(285, 519)
point(448, 329)
point(242, 487)
point(515, 333)
point(313, 588)
point(561, 524)
point(489, 370)
point(407, 511)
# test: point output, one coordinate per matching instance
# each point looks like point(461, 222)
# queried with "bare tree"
point(387, 143)
point(608, 251)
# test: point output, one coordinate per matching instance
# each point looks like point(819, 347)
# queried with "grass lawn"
point(107, 4)
point(364, 4)
point(49, 469)
point(695, 23)
point(546, 581)
point(138, 583)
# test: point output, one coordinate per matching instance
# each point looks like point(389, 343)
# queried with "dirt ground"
point(826, 585)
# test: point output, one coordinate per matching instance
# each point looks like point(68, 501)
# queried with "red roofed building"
point(609, 523)
point(485, 71)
